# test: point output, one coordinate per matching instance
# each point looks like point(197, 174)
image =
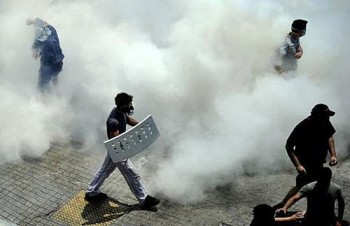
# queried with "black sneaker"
point(150, 201)
point(95, 198)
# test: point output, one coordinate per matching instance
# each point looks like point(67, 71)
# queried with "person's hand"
point(297, 216)
point(338, 223)
point(278, 68)
point(29, 21)
point(301, 169)
point(333, 161)
point(284, 210)
point(35, 55)
point(298, 55)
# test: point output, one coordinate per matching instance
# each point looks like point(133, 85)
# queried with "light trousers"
point(128, 171)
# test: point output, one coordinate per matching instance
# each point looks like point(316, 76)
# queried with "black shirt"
point(310, 139)
point(116, 121)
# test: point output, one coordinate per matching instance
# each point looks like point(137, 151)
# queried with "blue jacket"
point(49, 50)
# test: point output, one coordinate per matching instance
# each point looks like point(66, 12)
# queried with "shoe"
point(95, 198)
point(150, 201)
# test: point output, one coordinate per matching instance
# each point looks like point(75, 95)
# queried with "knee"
point(104, 173)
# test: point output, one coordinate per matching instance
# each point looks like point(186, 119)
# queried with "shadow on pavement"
point(108, 210)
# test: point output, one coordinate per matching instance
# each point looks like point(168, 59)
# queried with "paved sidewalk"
point(49, 191)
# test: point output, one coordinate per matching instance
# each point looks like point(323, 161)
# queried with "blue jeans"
point(47, 73)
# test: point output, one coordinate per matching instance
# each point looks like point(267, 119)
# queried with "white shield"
point(133, 141)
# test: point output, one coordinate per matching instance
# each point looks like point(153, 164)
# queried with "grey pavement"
point(49, 191)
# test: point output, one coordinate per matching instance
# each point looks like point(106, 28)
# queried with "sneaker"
point(95, 198)
point(150, 201)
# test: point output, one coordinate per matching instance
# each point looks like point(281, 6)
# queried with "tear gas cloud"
point(201, 68)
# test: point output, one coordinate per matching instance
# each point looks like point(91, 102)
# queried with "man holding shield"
point(116, 123)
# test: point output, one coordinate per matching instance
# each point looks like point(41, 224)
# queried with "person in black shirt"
point(116, 124)
point(308, 145)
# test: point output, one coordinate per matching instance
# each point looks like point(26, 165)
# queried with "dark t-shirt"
point(320, 205)
point(116, 121)
point(310, 139)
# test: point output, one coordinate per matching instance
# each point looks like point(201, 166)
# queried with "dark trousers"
point(301, 180)
point(47, 73)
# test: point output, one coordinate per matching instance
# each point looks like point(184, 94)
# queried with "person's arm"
point(286, 47)
point(290, 203)
point(283, 49)
point(35, 48)
point(294, 217)
point(35, 54)
point(294, 158)
point(114, 134)
point(331, 148)
point(112, 128)
point(131, 121)
point(299, 52)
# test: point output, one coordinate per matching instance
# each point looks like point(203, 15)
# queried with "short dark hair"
point(323, 182)
point(299, 25)
point(122, 99)
point(263, 215)
point(325, 175)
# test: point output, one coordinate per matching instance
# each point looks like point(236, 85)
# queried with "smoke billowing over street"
point(201, 68)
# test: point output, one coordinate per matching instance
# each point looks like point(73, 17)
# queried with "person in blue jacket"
point(46, 46)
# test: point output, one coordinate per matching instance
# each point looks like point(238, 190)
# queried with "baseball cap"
point(321, 109)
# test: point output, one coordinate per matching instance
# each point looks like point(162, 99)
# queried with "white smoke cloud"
point(202, 68)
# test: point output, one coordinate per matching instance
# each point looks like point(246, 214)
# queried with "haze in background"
point(201, 68)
